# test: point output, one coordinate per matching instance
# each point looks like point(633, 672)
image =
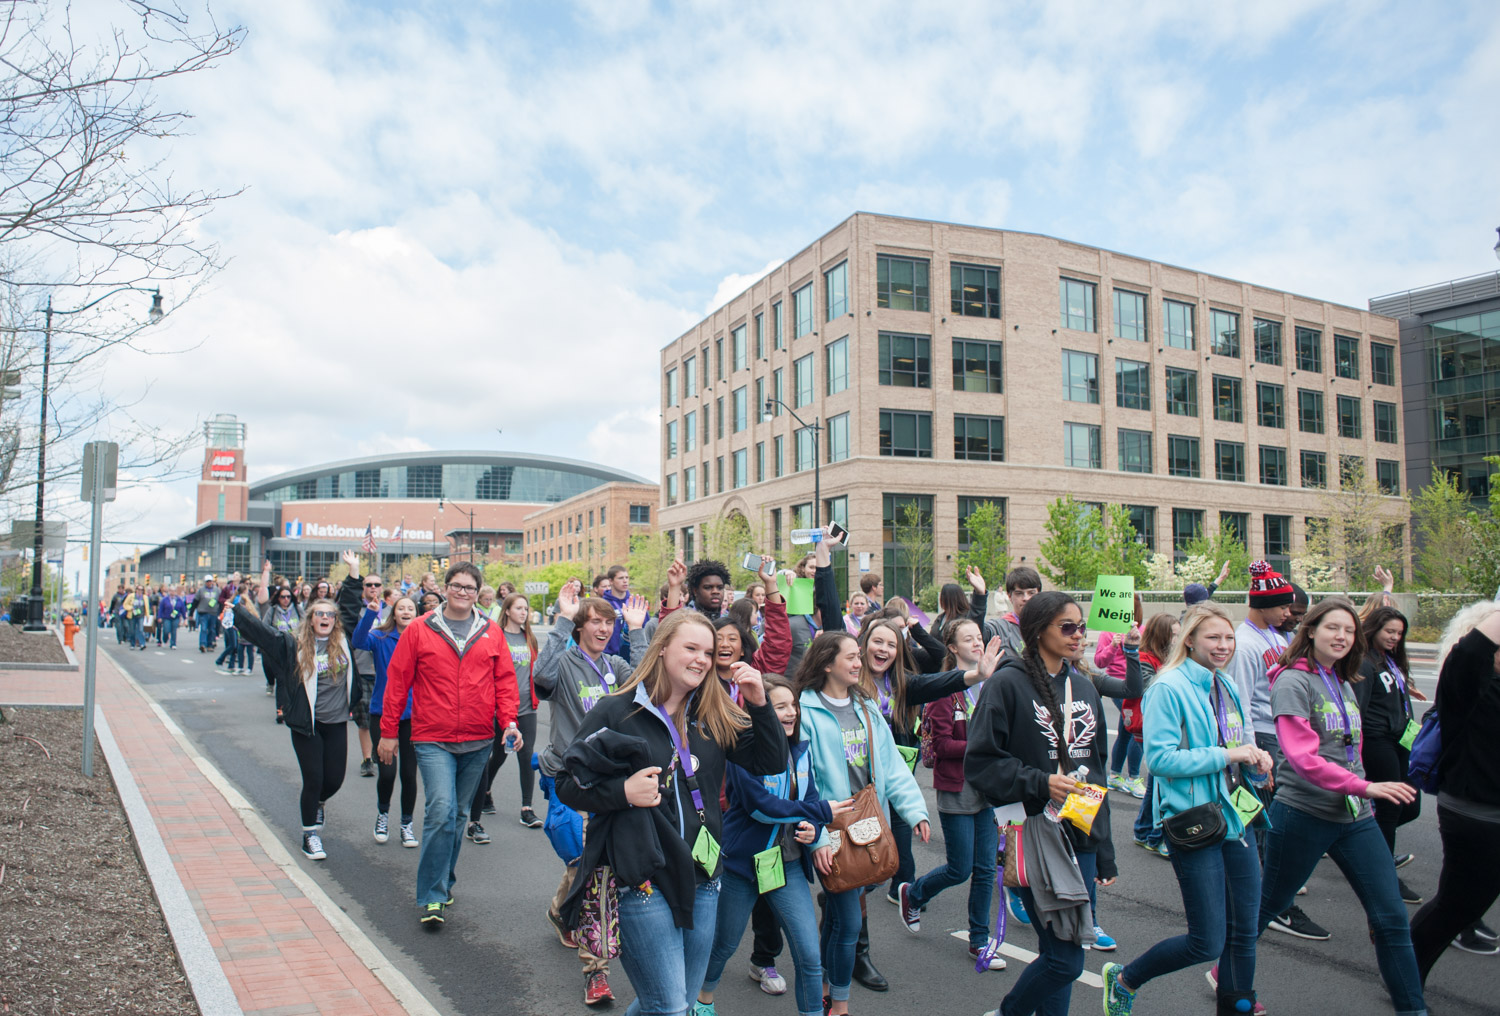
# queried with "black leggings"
point(406, 762)
point(1385, 761)
point(527, 726)
point(1467, 887)
point(322, 758)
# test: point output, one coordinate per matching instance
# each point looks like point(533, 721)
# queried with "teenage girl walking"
point(379, 640)
point(515, 620)
point(1389, 724)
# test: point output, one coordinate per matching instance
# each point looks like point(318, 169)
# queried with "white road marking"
point(1088, 977)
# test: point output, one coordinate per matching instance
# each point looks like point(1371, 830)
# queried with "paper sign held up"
point(1113, 607)
point(798, 594)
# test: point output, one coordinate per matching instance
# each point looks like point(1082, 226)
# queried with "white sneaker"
point(312, 846)
point(770, 981)
point(382, 827)
point(408, 838)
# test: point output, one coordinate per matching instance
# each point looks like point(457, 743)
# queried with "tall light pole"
point(456, 508)
point(767, 414)
point(34, 606)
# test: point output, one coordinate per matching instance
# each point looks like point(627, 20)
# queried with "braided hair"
point(1038, 614)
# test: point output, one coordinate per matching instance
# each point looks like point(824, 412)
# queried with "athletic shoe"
point(703, 1009)
point(1471, 942)
point(1295, 922)
point(596, 988)
point(1302, 890)
point(564, 935)
point(997, 962)
point(1118, 1000)
point(1163, 850)
point(769, 980)
point(408, 838)
point(432, 916)
point(312, 846)
point(1137, 787)
point(892, 897)
point(1017, 908)
point(1408, 894)
point(367, 768)
point(529, 819)
point(911, 916)
point(1117, 781)
point(1402, 860)
point(319, 822)
point(382, 827)
point(476, 833)
point(1485, 932)
point(488, 807)
point(1213, 980)
point(270, 690)
point(1102, 942)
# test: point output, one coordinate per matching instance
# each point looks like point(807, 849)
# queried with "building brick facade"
point(594, 527)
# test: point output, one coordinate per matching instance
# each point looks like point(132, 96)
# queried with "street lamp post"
point(767, 415)
point(34, 607)
point(471, 524)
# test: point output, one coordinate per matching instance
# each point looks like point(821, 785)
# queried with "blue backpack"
point(1426, 753)
point(563, 825)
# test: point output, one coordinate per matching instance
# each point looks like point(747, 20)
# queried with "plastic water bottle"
point(801, 536)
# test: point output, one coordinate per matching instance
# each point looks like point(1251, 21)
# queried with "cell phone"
point(752, 564)
point(838, 533)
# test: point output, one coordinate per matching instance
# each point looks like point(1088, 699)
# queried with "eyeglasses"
point(325, 613)
point(283, 596)
point(462, 589)
point(373, 585)
point(1071, 628)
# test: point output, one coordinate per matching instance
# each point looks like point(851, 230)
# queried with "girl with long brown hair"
point(515, 622)
point(1385, 695)
point(379, 640)
point(1157, 637)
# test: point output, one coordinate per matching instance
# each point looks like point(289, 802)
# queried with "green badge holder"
point(909, 755)
point(1410, 735)
point(706, 850)
point(769, 872)
point(1246, 805)
point(1353, 803)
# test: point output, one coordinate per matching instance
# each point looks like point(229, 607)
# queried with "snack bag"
point(1082, 805)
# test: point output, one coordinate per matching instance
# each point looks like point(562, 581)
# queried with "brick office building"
point(947, 365)
point(594, 527)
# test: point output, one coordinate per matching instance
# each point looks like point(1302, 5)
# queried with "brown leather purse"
point(864, 849)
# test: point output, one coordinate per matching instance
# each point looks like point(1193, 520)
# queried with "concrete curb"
point(369, 954)
point(205, 973)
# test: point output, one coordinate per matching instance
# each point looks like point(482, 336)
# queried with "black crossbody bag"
point(1202, 825)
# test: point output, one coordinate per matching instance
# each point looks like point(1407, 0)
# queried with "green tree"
point(989, 546)
point(914, 549)
point(1070, 554)
point(1479, 567)
point(728, 538)
point(1366, 533)
point(1442, 517)
point(1216, 548)
point(650, 557)
point(1122, 552)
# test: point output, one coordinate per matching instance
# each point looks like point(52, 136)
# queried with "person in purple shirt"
point(616, 593)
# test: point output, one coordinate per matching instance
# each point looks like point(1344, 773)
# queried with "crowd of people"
point(714, 761)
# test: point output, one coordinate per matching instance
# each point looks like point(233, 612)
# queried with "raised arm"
point(253, 630)
point(263, 591)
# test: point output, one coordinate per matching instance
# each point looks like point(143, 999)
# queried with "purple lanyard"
point(1275, 640)
point(884, 693)
point(1400, 683)
point(686, 758)
point(1220, 712)
point(607, 675)
point(1336, 693)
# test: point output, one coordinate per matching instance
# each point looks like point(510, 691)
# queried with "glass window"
point(671, 488)
point(671, 439)
point(1238, 523)
point(778, 391)
point(688, 554)
point(805, 447)
point(424, 482)
point(1132, 384)
point(759, 405)
point(1080, 376)
point(1227, 399)
point(1309, 411)
point(690, 483)
point(1270, 401)
point(1143, 521)
point(690, 376)
point(897, 560)
point(778, 339)
point(1273, 466)
point(778, 450)
point(640, 515)
point(836, 366)
point(1314, 470)
point(1309, 349)
point(1182, 456)
point(775, 528)
point(1382, 363)
point(836, 290)
point(901, 283)
point(1268, 342)
point(719, 471)
point(1077, 304)
point(905, 360)
point(741, 410)
point(1081, 446)
point(1388, 476)
point(718, 416)
point(1346, 356)
point(906, 435)
point(1135, 450)
point(1130, 315)
point(741, 468)
point(703, 355)
point(1226, 332)
point(1182, 392)
point(1231, 460)
point(1178, 324)
point(690, 431)
point(966, 507)
point(1351, 468)
point(760, 336)
point(975, 290)
point(739, 349)
point(1349, 416)
point(802, 310)
point(1385, 422)
point(1278, 541)
point(1187, 526)
point(802, 378)
point(979, 438)
point(760, 461)
point(672, 398)
point(838, 438)
point(977, 366)
point(719, 358)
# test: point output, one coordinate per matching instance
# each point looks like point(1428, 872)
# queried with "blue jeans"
point(906, 864)
point(1146, 829)
point(971, 842)
point(1293, 846)
point(665, 963)
point(837, 936)
point(231, 651)
point(1046, 985)
point(138, 631)
point(208, 629)
point(794, 906)
point(1126, 750)
point(447, 779)
point(1221, 897)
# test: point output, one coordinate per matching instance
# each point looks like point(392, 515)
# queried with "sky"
point(475, 225)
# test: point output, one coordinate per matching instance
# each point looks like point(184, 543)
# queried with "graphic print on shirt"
point(1082, 723)
point(589, 695)
point(1333, 721)
point(856, 747)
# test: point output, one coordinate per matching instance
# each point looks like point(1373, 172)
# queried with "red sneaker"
point(596, 988)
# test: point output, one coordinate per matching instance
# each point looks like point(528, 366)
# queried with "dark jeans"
point(322, 759)
point(837, 938)
point(166, 631)
point(1468, 885)
point(1146, 830)
point(794, 903)
point(1293, 847)
point(208, 630)
point(970, 841)
point(1126, 751)
point(1385, 761)
point(906, 865)
point(527, 726)
point(765, 935)
point(1221, 897)
point(405, 764)
point(231, 651)
point(1046, 985)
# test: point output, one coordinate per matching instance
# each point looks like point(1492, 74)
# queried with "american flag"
point(369, 545)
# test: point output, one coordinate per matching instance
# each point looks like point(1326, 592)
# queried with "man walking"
point(206, 606)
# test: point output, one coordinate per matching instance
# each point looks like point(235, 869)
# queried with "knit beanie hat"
point(1194, 593)
point(1267, 587)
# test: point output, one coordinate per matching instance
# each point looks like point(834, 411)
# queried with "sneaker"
point(1137, 787)
point(1295, 922)
point(1408, 894)
point(1302, 891)
point(270, 690)
point(367, 768)
point(911, 916)
point(1484, 931)
point(1402, 860)
point(1017, 907)
point(997, 962)
point(892, 898)
point(450, 900)
point(1163, 850)
point(596, 988)
point(529, 819)
point(432, 916)
point(1471, 941)
point(703, 1009)
point(1102, 942)
point(382, 827)
point(489, 805)
point(1118, 999)
point(564, 935)
point(408, 838)
point(769, 980)
point(312, 846)
point(1117, 781)
point(476, 833)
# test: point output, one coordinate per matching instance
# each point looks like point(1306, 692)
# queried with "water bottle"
point(801, 536)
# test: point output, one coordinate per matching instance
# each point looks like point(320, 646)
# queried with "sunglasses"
point(1071, 628)
point(325, 613)
point(372, 585)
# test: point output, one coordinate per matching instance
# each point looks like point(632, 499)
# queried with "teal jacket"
point(894, 783)
point(1187, 775)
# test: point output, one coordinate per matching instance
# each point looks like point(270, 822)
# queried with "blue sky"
point(464, 218)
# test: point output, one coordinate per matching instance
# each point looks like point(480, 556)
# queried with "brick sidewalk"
point(280, 955)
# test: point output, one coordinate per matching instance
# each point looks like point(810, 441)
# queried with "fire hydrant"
point(69, 627)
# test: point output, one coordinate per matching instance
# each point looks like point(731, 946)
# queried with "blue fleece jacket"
point(381, 645)
point(759, 806)
point(894, 783)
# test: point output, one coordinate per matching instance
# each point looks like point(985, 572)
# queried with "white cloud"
point(734, 284)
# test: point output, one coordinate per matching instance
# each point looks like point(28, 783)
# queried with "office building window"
point(1130, 316)
point(1385, 422)
point(672, 397)
point(688, 555)
point(1270, 401)
point(760, 461)
point(1187, 526)
point(1135, 450)
point(905, 360)
point(1314, 470)
point(1309, 349)
point(975, 290)
point(703, 356)
point(1080, 376)
point(1349, 416)
point(836, 290)
point(671, 488)
point(1132, 384)
point(1382, 363)
point(741, 468)
point(900, 566)
point(690, 431)
point(901, 283)
point(1143, 521)
point(760, 336)
point(719, 358)
point(1268, 342)
point(1231, 460)
point(778, 454)
point(1238, 524)
point(802, 310)
point(979, 438)
point(1182, 456)
point(758, 406)
point(719, 473)
point(741, 410)
point(690, 483)
point(802, 380)
point(671, 439)
point(1309, 411)
point(1273, 466)
point(778, 337)
point(778, 391)
point(1178, 324)
point(1182, 392)
point(966, 507)
point(838, 438)
point(1351, 470)
point(977, 366)
point(1076, 300)
point(640, 515)
point(905, 435)
point(1226, 333)
point(718, 417)
point(775, 528)
point(836, 365)
point(1278, 541)
point(1346, 356)
point(1388, 476)
point(1081, 446)
point(1227, 399)
point(690, 376)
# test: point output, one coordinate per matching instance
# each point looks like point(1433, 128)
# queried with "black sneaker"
point(1408, 894)
point(312, 846)
point(476, 833)
point(1402, 860)
point(1295, 922)
point(367, 768)
point(1484, 931)
point(1470, 942)
point(432, 916)
point(489, 805)
point(911, 916)
point(529, 819)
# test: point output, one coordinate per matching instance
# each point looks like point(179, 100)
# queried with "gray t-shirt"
point(460, 629)
point(1305, 695)
point(520, 656)
point(856, 740)
point(333, 688)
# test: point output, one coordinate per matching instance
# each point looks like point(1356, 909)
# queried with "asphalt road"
point(497, 952)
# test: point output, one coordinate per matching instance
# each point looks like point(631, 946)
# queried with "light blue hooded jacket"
point(894, 783)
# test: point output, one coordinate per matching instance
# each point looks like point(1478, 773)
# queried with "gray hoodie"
point(573, 685)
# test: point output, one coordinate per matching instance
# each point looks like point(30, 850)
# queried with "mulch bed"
point(17, 646)
point(80, 929)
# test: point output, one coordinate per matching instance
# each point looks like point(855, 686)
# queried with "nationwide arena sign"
point(296, 529)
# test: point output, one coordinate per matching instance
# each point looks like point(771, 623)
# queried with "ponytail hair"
point(1038, 614)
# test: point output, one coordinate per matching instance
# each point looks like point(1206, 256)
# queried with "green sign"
point(798, 594)
point(1113, 608)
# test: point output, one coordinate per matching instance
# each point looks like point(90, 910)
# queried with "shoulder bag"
point(1202, 825)
point(864, 850)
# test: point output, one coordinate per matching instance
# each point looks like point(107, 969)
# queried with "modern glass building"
point(456, 476)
